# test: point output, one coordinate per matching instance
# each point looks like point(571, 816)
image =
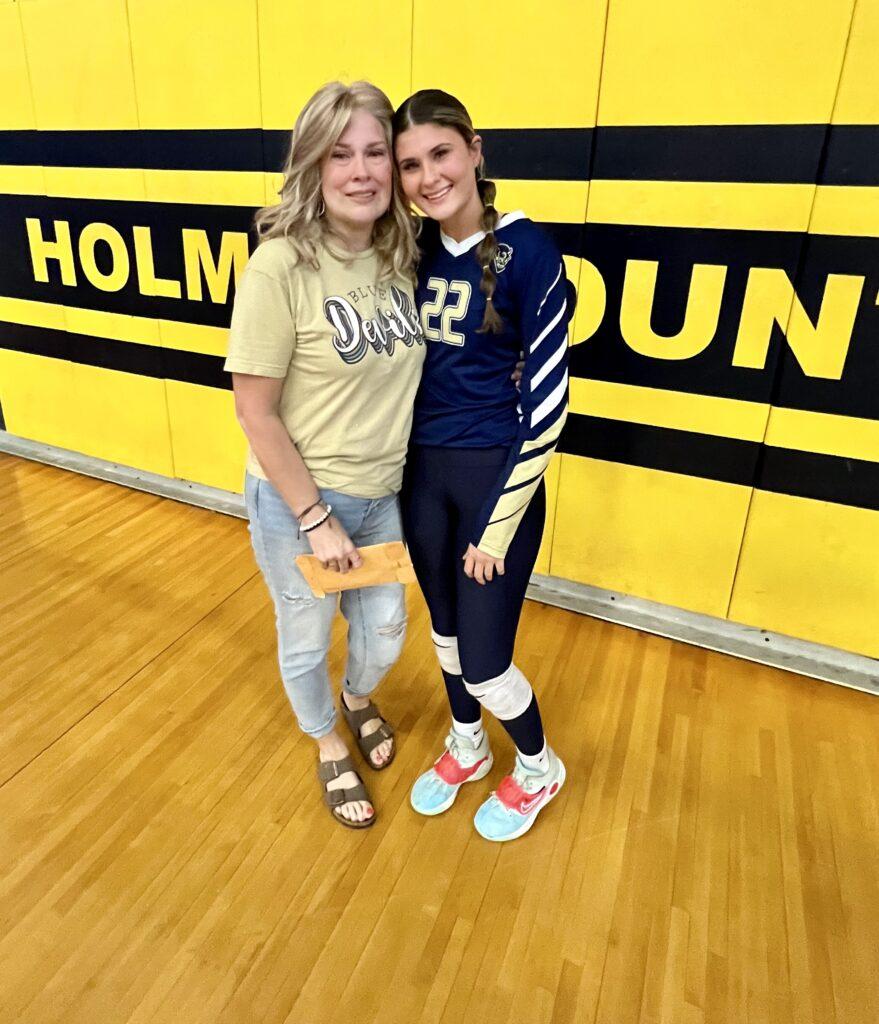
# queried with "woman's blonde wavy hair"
point(299, 217)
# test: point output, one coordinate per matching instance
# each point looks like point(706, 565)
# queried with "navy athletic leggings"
point(443, 493)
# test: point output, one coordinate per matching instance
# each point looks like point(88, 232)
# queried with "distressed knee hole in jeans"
point(298, 600)
point(392, 632)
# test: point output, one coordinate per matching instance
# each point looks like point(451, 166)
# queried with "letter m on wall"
point(198, 257)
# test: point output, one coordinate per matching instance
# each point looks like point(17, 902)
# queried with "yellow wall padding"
point(685, 62)
point(809, 568)
point(710, 172)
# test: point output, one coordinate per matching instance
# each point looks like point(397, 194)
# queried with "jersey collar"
point(459, 248)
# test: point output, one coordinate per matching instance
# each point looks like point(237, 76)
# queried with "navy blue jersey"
point(466, 398)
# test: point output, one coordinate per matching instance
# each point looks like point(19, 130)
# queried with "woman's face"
point(437, 170)
point(357, 174)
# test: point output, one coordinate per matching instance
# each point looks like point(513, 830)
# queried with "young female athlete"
point(489, 287)
point(326, 353)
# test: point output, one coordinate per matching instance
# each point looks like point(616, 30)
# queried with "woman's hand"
point(480, 566)
point(333, 547)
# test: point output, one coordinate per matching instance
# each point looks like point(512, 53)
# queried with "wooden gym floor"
point(164, 857)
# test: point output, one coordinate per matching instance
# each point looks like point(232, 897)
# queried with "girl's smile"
point(438, 174)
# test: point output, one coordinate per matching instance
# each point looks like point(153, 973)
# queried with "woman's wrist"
point(314, 522)
point(313, 504)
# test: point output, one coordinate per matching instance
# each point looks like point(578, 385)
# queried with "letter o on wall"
point(591, 303)
point(91, 235)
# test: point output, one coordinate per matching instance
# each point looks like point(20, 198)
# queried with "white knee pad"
point(506, 696)
point(447, 653)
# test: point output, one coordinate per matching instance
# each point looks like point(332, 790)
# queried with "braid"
point(485, 253)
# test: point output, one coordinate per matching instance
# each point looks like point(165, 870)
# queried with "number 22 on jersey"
point(450, 302)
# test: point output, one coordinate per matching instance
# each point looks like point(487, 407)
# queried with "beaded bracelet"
point(317, 522)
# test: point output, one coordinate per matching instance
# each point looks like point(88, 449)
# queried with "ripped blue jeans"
point(376, 615)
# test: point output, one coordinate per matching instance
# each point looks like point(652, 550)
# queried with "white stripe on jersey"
point(550, 403)
point(555, 282)
point(553, 361)
point(549, 326)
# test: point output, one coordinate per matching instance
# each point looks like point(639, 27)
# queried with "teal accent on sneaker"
point(513, 808)
point(462, 761)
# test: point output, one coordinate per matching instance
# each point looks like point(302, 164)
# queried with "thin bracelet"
point(305, 511)
point(317, 522)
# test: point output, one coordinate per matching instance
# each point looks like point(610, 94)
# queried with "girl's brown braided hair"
point(433, 106)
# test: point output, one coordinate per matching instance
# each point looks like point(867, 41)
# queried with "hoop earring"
point(322, 209)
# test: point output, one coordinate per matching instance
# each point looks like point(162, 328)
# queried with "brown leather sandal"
point(356, 720)
point(336, 798)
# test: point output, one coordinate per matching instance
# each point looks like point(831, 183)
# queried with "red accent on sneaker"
point(452, 771)
point(512, 796)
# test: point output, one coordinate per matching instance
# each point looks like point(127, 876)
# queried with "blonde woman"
point(326, 353)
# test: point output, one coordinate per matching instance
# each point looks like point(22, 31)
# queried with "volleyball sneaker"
point(462, 761)
point(512, 809)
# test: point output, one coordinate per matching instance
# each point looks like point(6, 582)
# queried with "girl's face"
point(357, 175)
point(437, 172)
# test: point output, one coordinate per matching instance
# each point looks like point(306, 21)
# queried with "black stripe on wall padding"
point(821, 477)
point(802, 474)
point(606, 356)
point(674, 451)
point(165, 221)
point(776, 154)
point(24, 149)
point(552, 154)
point(852, 155)
point(214, 149)
point(808, 260)
point(857, 393)
point(36, 341)
point(748, 153)
point(783, 471)
point(759, 152)
point(124, 356)
point(560, 154)
point(196, 368)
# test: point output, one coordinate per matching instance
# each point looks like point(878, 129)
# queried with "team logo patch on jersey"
point(502, 257)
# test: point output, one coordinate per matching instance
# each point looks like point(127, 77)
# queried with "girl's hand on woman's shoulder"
point(480, 566)
point(333, 547)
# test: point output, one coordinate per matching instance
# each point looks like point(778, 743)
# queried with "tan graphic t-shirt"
point(350, 352)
